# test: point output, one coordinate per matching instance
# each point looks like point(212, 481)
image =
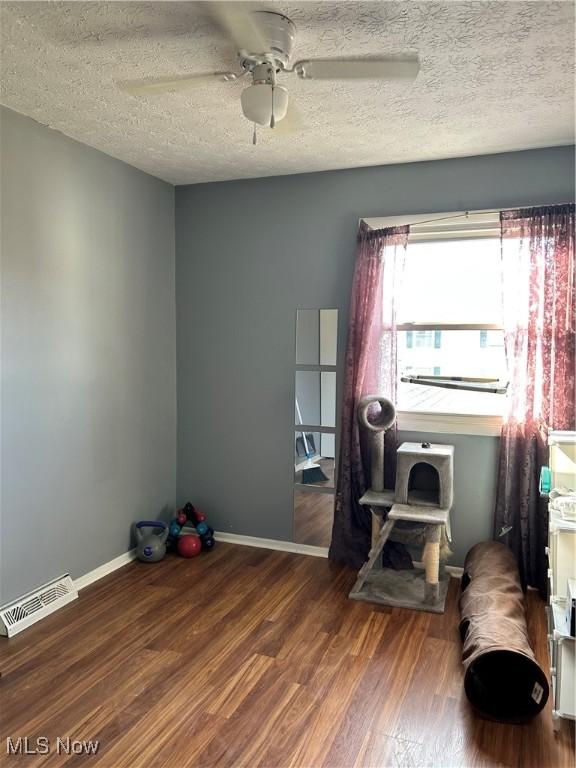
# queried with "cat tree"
point(422, 500)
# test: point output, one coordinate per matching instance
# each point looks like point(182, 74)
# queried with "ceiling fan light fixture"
point(258, 102)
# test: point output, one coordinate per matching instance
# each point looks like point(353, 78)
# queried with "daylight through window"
point(450, 325)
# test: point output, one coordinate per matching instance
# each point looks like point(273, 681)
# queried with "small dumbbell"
point(207, 542)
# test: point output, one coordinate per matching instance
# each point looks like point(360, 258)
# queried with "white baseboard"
point(281, 546)
point(105, 569)
point(300, 549)
point(231, 538)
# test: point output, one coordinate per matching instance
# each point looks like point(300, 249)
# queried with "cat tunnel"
point(503, 681)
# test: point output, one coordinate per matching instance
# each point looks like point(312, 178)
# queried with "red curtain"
point(370, 369)
point(538, 280)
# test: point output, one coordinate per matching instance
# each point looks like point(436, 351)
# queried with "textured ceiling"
point(495, 76)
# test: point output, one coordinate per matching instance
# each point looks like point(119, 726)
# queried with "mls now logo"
point(23, 745)
point(26, 746)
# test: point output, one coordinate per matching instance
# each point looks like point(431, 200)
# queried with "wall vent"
point(37, 604)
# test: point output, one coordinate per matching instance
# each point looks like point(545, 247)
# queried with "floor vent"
point(35, 605)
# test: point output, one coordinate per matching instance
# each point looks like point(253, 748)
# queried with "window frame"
point(435, 227)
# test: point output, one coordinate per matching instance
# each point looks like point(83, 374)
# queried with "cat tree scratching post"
point(431, 559)
point(423, 495)
point(376, 425)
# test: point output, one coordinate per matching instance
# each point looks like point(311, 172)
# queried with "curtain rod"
point(463, 215)
point(466, 215)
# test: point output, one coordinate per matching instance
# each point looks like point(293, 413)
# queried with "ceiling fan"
point(265, 40)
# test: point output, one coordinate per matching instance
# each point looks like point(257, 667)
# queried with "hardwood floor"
point(246, 657)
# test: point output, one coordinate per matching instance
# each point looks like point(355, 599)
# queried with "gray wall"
point(248, 254)
point(88, 354)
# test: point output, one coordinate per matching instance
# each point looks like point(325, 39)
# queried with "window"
point(450, 325)
point(423, 339)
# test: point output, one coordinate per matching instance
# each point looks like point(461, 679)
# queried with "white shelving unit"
point(562, 654)
point(561, 553)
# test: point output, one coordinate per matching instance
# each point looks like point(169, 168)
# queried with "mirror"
point(315, 398)
point(314, 458)
point(308, 337)
point(315, 407)
point(328, 336)
point(327, 399)
point(313, 516)
point(316, 336)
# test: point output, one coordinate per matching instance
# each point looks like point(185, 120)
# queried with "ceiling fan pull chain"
point(254, 139)
point(272, 73)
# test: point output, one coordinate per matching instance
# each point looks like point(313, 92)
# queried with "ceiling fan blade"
point(151, 86)
point(358, 69)
point(241, 23)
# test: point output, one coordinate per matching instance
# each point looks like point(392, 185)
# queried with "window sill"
point(450, 423)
